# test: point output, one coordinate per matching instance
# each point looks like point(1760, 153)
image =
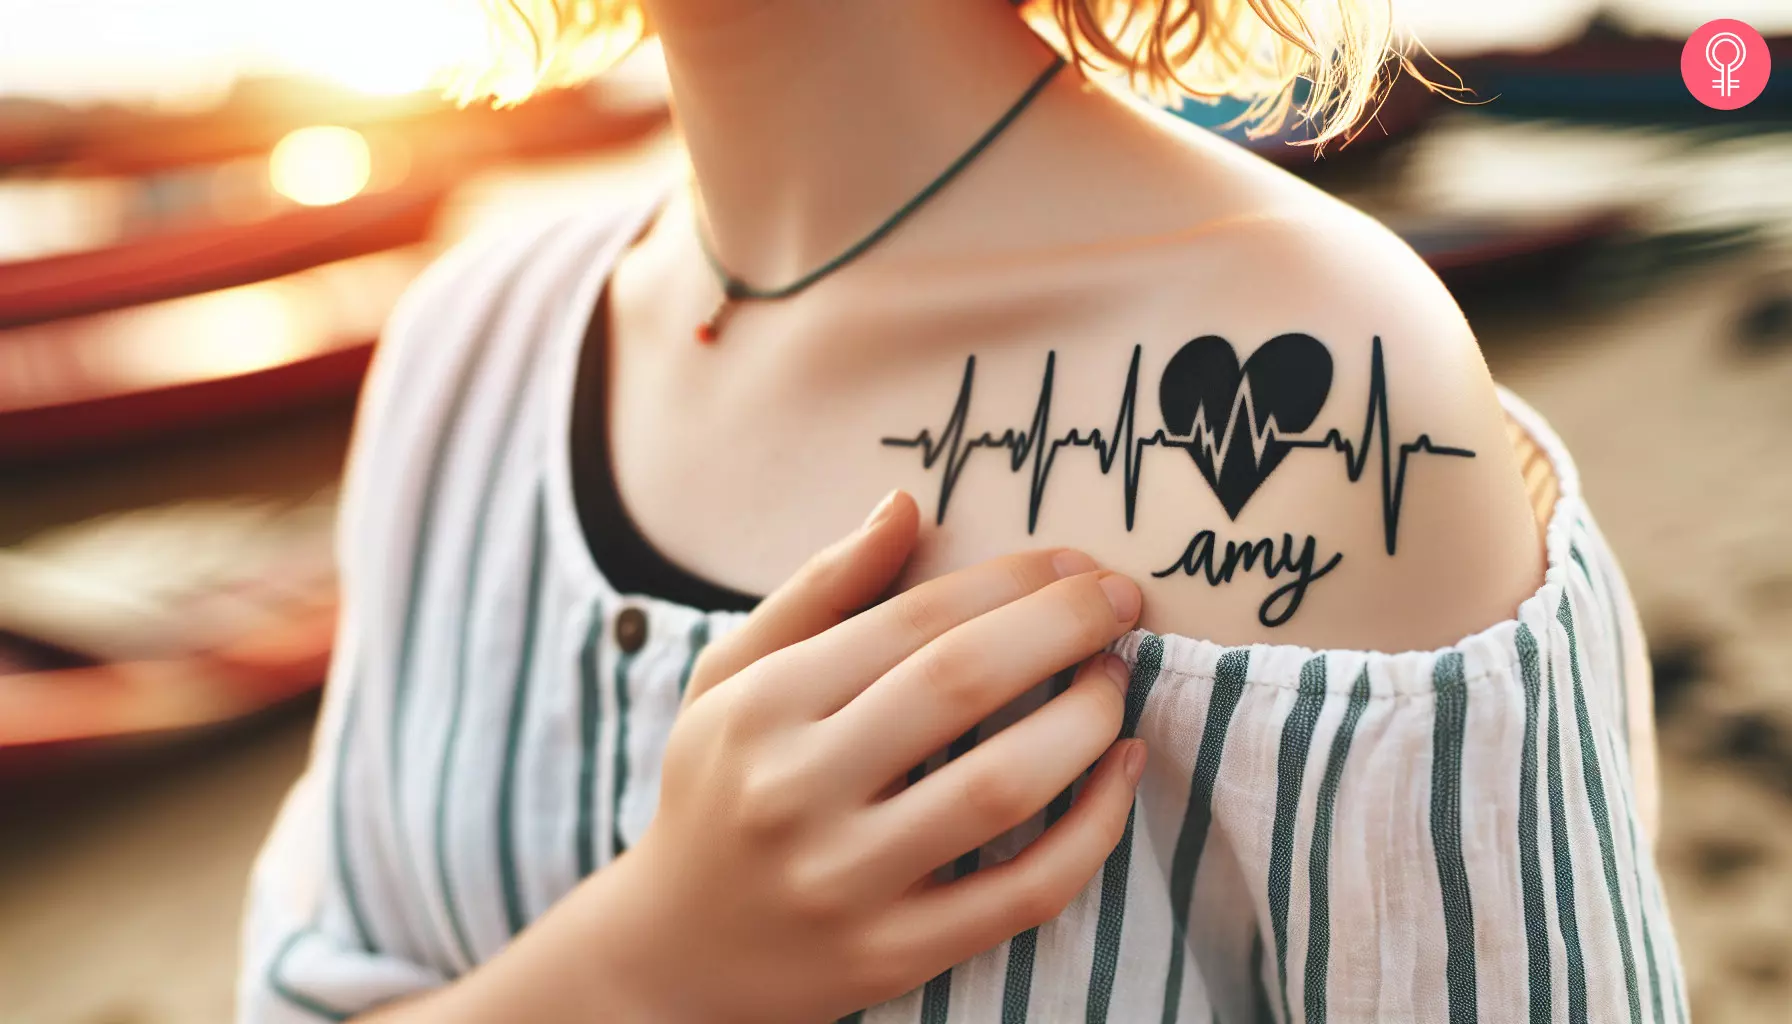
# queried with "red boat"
point(174, 402)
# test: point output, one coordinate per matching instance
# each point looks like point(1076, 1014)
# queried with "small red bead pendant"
point(711, 329)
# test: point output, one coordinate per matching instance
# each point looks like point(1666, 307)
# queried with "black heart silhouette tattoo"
point(1237, 415)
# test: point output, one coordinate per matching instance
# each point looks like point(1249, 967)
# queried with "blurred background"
point(208, 207)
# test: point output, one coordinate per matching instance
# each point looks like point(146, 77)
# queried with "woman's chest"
point(738, 467)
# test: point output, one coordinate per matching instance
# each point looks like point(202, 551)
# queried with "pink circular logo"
point(1725, 64)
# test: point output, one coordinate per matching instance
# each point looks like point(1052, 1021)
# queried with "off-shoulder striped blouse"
point(1319, 835)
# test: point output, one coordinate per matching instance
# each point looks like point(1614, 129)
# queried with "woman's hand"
point(785, 876)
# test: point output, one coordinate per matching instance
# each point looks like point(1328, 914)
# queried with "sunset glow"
point(383, 47)
point(172, 50)
point(320, 166)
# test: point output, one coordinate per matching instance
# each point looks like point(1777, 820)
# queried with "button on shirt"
point(1339, 835)
point(631, 630)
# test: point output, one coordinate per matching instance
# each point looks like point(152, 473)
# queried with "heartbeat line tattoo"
point(1375, 431)
point(1232, 420)
point(1235, 420)
point(1021, 445)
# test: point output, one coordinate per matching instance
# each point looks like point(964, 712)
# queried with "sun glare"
point(321, 165)
point(217, 334)
point(383, 47)
point(170, 48)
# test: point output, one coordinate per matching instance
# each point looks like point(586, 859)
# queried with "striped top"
point(1319, 835)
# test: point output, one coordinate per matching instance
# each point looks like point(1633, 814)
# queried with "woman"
point(1148, 390)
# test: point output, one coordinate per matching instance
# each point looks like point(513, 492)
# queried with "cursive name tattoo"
point(1235, 420)
point(1204, 558)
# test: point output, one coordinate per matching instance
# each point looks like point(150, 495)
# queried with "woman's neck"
point(809, 121)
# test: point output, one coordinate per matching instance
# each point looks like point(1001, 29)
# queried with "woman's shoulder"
point(1308, 442)
point(1368, 392)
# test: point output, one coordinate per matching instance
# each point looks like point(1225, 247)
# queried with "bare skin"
point(787, 866)
point(1092, 226)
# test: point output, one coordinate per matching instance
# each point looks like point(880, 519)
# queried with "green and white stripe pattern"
point(1335, 836)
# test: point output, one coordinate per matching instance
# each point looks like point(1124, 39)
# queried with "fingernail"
point(1070, 562)
point(1115, 670)
point(1135, 760)
point(1123, 594)
point(881, 512)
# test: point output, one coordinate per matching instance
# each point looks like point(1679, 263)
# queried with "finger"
point(842, 661)
point(837, 582)
point(961, 678)
point(1004, 780)
point(948, 924)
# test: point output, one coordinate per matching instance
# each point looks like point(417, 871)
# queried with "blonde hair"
point(1254, 50)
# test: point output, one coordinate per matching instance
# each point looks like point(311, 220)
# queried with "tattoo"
point(1031, 442)
point(1356, 454)
point(1236, 414)
point(1198, 560)
point(1237, 422)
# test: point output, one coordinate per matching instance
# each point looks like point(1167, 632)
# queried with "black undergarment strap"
point(626, 559)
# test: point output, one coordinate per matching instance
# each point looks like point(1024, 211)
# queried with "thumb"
point(838, 582)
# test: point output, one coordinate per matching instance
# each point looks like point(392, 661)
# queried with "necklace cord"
point(736, 289)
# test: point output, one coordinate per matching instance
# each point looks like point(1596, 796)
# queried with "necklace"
point(735, 290)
